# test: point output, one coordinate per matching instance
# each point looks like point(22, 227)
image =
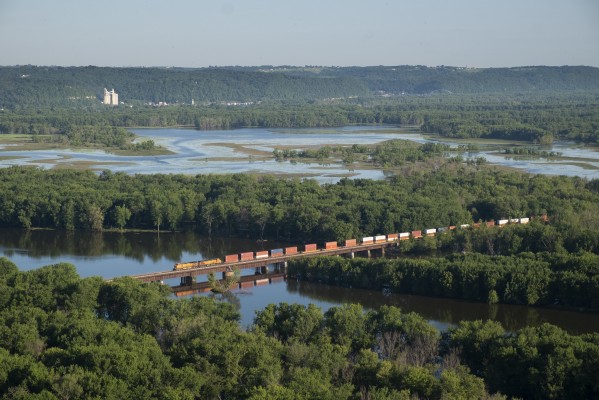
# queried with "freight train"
point(312, 247)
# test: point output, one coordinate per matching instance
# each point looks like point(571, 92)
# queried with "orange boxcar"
point(262, 254)
point(232, 258)
point(290, 250)
point(350, 242)
point(310, 247)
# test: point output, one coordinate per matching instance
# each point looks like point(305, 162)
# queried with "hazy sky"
point(198, 33)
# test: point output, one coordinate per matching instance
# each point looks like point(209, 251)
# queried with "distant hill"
point(33, 86)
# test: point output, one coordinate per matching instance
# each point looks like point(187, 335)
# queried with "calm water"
point(250, 150)
point(113, 254)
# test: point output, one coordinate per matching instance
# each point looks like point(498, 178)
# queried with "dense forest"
point(439, 193)
point(32, 86)
point(64, 337)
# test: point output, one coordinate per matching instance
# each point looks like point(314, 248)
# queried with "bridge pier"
point(368, 253)
point(351, 255)
point(281, 267)
point(261, 270)
point(382, 251)
point(186, 280)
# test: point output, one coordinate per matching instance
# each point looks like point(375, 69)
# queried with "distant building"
point(111, 98)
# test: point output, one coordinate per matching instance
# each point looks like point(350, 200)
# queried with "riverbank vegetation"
point(538, 279)
point(66, 337)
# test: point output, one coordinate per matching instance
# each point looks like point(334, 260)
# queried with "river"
point(250, 151)
point(111, 254)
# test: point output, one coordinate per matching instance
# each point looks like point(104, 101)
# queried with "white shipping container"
point(380, 238)
point(430, 231)
point(464, 226)
point(368, 239)
point(404, 234)
point(514, 220)
point(502, 222)
point(524, 220)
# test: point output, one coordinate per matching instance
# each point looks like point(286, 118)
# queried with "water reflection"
point(111, 254)
point(443, 312)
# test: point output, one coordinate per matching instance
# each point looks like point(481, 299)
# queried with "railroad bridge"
point(280, 262)
point(279, 257)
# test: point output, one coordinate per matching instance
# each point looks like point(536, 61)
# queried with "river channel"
point(250, 151)
point(112, 254)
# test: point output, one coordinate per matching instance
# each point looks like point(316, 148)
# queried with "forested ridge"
point(537, 104)
point(46, 86)
point(65, 337)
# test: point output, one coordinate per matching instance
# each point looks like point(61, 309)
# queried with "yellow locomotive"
point(196, 264)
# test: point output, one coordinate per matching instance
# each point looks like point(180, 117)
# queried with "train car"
point(330, 245)
point(490, 224)
point(416, 234)
point(276, 252)
point(232, 258)
point(430, 232)
point(310, 247)
point(368, 240)
point(501, 222)
point(404, 235)
point(380, 238)
point(514, 220)
point(290, 250)
point(392, 237)
point(524, 220)
point(247, 256)
point(261, 254)
point(451, 227)
point(442, 229)
point(351, 242)
point(196, 264)
point(464, 226)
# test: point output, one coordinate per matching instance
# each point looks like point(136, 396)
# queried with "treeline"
point(391, 153)
point(66, 337)
point(539, 121)
point(523, 151)
point(446, 79)
point(302, 210)
point(33, 87)
point(528, 118)
point(540, 279)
